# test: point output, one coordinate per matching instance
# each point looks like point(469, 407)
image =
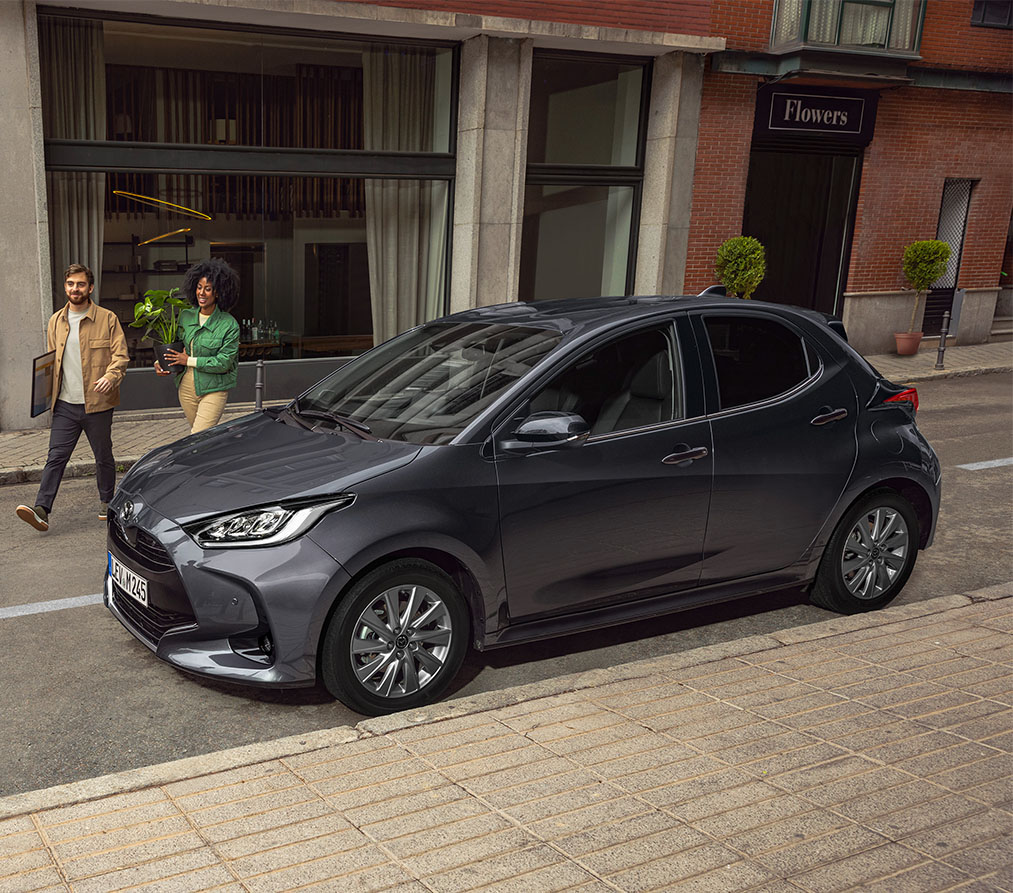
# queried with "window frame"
point(556, 174)
point(712, 387)
point(978, 14)
point(136, 157)
point(802, 39)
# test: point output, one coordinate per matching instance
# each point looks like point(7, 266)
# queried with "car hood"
point(256, 460)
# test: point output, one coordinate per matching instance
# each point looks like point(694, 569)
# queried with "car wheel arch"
point(911, 490)
point(449, 565)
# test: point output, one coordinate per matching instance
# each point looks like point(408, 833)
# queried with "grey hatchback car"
point(517, 472)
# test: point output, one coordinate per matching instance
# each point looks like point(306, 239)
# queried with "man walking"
point(91, 357)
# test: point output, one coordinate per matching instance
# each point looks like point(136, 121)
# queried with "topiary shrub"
point(924, 262)
point(741, 265)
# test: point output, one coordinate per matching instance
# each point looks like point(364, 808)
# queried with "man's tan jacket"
point(103, 352)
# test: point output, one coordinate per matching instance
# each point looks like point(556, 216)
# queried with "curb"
point(33, 473)
point(934, 374)
point(246, 755)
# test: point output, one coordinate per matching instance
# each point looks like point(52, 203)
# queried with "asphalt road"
point(81, 697)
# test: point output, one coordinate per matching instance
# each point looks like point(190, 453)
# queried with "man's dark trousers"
point(69, 420)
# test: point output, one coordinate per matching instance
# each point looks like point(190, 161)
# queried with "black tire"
point(870, 555)
point(377, 667)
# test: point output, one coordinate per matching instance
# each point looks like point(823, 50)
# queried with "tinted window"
point(428, 384)
point(625, 384)
point(755, 358)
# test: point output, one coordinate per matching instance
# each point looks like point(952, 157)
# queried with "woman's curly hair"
point(224, 280)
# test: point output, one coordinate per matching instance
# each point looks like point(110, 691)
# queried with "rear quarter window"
point(756, 359)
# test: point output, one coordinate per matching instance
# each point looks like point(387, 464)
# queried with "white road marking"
point(57, 604)
point(991, 463)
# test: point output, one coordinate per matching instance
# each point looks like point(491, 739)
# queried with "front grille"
point(145, 550)
point(150, 621)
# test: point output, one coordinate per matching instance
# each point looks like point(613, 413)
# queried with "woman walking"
point(211, 338)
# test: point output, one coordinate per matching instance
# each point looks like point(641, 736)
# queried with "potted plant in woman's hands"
point(158, 314)
point(924, 262)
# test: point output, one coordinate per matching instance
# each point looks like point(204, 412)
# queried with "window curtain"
point(72, 63)
point(406, 220)
point(788, 26)
point(864, 26)
point(181, 117)
point(823, 17)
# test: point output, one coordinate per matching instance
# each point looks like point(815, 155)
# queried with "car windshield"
point(429, 384)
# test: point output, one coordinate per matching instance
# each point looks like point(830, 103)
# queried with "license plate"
point(132, 584)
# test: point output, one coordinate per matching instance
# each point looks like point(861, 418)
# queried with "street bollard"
point(942, 340)
point(259, 386)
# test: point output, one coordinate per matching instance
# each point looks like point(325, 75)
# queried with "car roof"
point(572, 315)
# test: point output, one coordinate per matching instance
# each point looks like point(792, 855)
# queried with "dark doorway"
point(800, 205)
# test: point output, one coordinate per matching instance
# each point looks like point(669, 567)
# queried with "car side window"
point(756, 358)
point(628, 383)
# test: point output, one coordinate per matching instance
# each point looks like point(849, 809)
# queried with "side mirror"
point(547, 430)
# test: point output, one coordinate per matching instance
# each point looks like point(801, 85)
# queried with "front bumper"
point(210, 610)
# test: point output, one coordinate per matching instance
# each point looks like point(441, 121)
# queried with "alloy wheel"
point(401, 641)
point(875, 552)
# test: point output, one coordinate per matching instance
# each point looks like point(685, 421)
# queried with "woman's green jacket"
point(214, 346)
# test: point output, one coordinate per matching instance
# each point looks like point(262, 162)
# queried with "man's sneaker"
point(103, 511)
point(37, 516)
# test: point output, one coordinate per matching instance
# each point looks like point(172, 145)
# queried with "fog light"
point(266, 645)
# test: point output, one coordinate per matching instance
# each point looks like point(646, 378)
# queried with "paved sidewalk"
point(23, 453)
point(868, 752)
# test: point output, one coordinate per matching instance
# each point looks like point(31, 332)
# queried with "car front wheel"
point(397, 639)
point(870, 555)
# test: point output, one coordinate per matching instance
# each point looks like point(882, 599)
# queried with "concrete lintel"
point(366, 18)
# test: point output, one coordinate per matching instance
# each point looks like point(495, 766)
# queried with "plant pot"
point(907, 343)
point(160, 350)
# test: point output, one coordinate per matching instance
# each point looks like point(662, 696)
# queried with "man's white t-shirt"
point(72, 389)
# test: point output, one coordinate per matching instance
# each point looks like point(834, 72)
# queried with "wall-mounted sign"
point(812, 113)
point(815, 113)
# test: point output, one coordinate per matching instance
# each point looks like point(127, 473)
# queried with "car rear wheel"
point(870, 555)
point(397, 639)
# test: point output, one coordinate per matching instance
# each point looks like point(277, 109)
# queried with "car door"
point(622, 515)
point(784, 441)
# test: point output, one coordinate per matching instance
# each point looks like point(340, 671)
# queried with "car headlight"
point(265, 525)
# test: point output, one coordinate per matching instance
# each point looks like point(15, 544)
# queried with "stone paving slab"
point(23, 453)
point(806, 760)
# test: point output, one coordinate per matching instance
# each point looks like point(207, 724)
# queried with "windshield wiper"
point(327, 415)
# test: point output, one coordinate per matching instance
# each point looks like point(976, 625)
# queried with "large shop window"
point(584, 176)
point(320, 168)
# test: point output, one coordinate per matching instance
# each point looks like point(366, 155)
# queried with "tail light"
point(907, 396)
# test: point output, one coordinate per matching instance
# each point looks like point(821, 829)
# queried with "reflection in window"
point(756, 359)
point(576, 241)
point(428, 385)
point(316, 279)
point(202, 86)
point(630, 383)
point(329, 264)
point(584, 173)
point(584, 112)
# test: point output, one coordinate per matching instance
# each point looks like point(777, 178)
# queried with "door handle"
point(685, 456)
point(829, 415)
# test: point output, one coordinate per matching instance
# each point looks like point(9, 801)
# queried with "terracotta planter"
point(907, 343)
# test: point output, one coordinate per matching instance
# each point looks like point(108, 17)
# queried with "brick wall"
point(949, 40)
point(722, 163)
point(924, 136)
point(745, 24)
point(675, 16)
